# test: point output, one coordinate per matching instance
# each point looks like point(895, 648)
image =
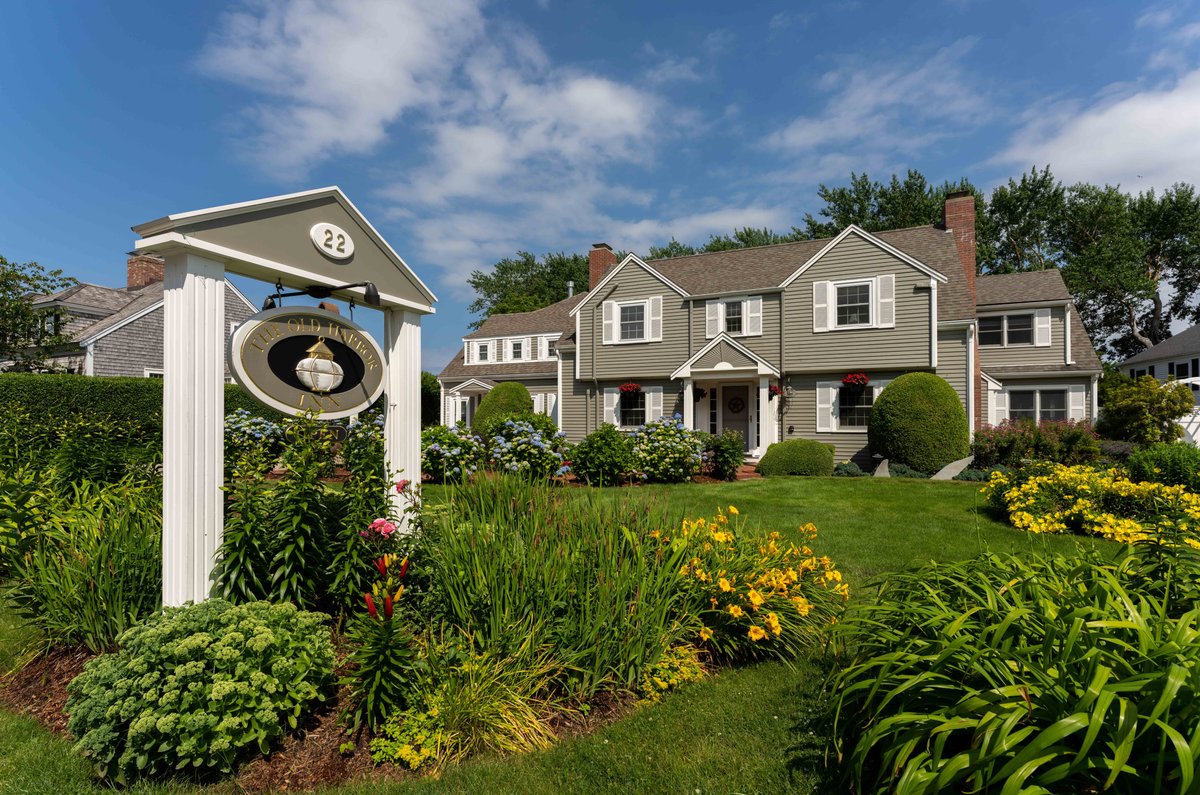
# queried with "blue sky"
point(469, 130)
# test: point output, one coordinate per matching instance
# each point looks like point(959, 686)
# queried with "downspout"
point(971, 382)
point(783, 376)
point(596, 396)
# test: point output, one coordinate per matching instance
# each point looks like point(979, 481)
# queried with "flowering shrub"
point(195, 688)
point(756, 597)
point(249, 435)
point(1014, 441)
point(1079, 499)
point(665, 451)
point(604, 457)
point(520, 448)
point(450, 454)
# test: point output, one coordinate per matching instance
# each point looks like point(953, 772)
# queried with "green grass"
point(730, 733)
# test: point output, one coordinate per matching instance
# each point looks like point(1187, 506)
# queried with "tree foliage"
point(27, 334)
point(1144, 411)
point(524, 283)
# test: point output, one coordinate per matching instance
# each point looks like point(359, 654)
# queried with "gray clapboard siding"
point(574, 405)
point(1054, 353)
point(724, 352)
point(952, 361)
point(638, 360)
point(907, 345)
point(766, 345)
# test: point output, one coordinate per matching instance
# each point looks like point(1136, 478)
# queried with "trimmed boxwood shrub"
point(604, 457)
point(797, 457)
point(848, 469)
point(918, 420)
point(1172, 463)
point(504, 401)
point(199, 687)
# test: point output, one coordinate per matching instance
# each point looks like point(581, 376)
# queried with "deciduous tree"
point(28, 334)
point(524, 283)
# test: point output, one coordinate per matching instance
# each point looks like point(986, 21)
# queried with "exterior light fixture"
point(370, 293)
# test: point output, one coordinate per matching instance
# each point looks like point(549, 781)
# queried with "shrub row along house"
point(794, 340)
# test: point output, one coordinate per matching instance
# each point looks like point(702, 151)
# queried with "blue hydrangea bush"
point(520, 448)
point(248, 434)
point(197, 688)
point(450, 454)
point(665, 451)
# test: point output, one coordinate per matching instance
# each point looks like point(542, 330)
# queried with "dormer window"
point(551, 348)
point(483, 351)
point(518, 350)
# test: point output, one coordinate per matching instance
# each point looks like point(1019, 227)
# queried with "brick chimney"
point(958, 216)
point(600, 259)
point(143, 269)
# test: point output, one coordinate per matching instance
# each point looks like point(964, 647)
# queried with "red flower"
point(387, 605)
point(855, 379)
point(381, 565)
point(404, 568)
point(371, 606)
point(630, 388)
point(402, 486)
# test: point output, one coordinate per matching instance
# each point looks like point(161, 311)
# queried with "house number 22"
point(332, 241)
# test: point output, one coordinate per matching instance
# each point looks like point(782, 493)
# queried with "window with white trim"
point(518, 350)
point(1020, 328)
point(1038, 405)
point(551, 348)
point(853, 305)
point(738, 317)
point(632, 319)
point(482, 352)
point(845, 408)
point(733, 317)
point(151, 373)
point(632, 409)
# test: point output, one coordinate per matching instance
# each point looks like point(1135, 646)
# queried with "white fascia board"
point(854, 229)
point(763, 367)
point(269, 270)
point(991, 380)
point(951, 324)
point(473, 383)
point(157, 226)
point(986, 310)
point(135, 316)
point(239, 294)
point(631, 258)
point(736, 293)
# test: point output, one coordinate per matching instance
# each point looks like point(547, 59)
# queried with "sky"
point(467, 131)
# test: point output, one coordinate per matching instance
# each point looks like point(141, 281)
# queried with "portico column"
point(689, 405)
point(193, 424)
point(766, 422)
point(402, 427)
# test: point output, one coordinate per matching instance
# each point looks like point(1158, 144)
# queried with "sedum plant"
point(197, 688)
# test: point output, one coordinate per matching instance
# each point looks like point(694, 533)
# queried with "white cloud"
point(877, 110)
point(338, 73)
point(1139, 137)
point(640, 235)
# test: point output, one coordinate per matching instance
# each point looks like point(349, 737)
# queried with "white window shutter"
point(552, 406)
point(610, 322)
point(611, 397)
point(654, 403)
point(655, 318)
point(876, 388)
point(467, 351)
point(821, 306)
point(1077, 402)
point(754, 315)
point(531, 353)
point(886, 303)
point(1041, 328)
point(999, 406)
point(712, 319)
point(543, 351)
point(539, 403)
point(826, 394)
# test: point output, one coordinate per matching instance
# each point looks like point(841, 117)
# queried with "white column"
point(193, 424)
point(689, 404)
point(402, 428)
point(766, 422)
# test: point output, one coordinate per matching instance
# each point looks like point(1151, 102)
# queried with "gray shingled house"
point(769, 340)
point(119, 331)
point(1175, 357)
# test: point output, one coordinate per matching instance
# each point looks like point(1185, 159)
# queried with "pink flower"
point(402, 486)
point(383, 527)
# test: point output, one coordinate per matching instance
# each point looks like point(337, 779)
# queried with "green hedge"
point(505, 400)
point(797, 457)
point(918, 420)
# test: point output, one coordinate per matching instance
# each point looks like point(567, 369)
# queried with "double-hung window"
point(551, 348)
point(1005, 330)
point(483, 351)
point(853, 304)
point(1038, 405)
point(733, 317)
point(632, 322)
point(854, 406)
point(518, 350)
point(632, 409)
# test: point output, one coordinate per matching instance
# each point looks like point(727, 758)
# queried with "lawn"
point(730, 733)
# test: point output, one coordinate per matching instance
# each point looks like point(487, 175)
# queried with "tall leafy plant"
point(364, 499)
point(242, 573)
point(299, 516)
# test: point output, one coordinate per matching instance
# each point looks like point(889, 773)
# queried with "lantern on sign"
point(319, 372)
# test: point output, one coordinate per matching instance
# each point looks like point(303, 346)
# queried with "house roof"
point(1021, 288)
point(1185, 344)
point(144, 299)
point(455, 368)
point(555, 317)
point(90, 296)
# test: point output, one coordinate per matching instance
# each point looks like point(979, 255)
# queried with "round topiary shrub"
point(797, 457)
point(918, 420)
point(604, 457)
point(505, 400)
point(1171, 463)
point(196, 688)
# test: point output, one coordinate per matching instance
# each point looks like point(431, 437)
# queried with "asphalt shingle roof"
point(556, 317)
point(1021, 288)
point(90, 295)
point(1184, 344)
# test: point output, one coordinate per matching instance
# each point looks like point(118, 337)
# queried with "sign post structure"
point(311, 241)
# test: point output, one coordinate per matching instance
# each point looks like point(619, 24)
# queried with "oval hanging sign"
point(297, 359)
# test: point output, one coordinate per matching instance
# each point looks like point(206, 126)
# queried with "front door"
point(735, 410)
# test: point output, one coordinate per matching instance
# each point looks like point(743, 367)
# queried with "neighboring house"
point(1175, 357)
point(758, 340)
point(119, 331)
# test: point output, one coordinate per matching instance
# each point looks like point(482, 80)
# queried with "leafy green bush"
point(450, 454)
point(665, 451)
point(1174, 463)
point(604, 457)
point(918, 420)
point(797, 457)
point(1115, 451)
point(1014, 441)
point(1144, 411)
point(494, 424)
point(519, 448)
point(86, 564)
point(249, 434)
point(725, 454)
point(1070, 674)
point(505, 399)
point(848, 469)
point(972, 475)
point(902, 471)
point(199, 687)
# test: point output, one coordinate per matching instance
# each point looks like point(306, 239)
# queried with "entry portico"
point(316, 238)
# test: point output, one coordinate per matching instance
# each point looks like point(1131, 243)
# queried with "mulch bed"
point(39, 690)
